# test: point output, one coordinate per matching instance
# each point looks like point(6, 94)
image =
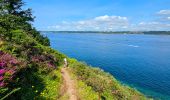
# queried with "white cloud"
point(161, 23)
point(168, 18)
point(100, 23)
point(164, 12)
point(115, 23)
point(110, 18)
point(164, 15)
point(150, 26)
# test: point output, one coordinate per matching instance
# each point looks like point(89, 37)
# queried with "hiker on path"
point(65, 62)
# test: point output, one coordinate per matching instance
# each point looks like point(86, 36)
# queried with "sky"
point(100, 15)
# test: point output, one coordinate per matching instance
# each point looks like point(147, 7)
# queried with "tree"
point(14, 7)
point(9, 23)
point(13, 17)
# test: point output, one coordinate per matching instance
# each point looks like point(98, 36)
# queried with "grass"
point(100, 83)
point(52, 83)
point(84, 92)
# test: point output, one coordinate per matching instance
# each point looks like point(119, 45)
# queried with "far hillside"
point(116, 32)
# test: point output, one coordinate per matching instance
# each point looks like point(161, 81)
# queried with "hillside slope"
point(30, 69)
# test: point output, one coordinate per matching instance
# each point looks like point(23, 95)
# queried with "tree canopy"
point(14, 17)
point(14, 7)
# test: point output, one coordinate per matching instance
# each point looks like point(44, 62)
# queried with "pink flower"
point(51, 65)
point(13, 61)
point(2, 64)
point(2, 84)
point(2, 71)
point(11, 71)
point(1, 78)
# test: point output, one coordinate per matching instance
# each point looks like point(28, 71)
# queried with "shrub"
point(8, 67)
point(105, 84)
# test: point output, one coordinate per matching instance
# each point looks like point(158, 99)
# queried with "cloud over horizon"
point(100, 23)
point(115, 23)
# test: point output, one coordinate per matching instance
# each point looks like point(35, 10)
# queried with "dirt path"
point(69, 83)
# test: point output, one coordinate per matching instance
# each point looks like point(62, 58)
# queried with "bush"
point(103, 83)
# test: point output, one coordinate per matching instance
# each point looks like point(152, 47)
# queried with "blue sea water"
point(141, 61)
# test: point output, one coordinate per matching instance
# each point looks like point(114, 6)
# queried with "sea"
point(138, 60)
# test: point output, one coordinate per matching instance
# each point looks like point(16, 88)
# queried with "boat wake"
point(135, 46)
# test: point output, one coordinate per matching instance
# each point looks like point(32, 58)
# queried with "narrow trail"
point(69, 83)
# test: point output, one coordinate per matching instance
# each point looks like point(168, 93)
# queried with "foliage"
point(13, 17)
point(103, 83)
point(52, 83)
point(14, 7)
point(8, 67)
point(84, 92)
point(13, 91)
point(28, 63)
point(35, 62)
point(25, 60)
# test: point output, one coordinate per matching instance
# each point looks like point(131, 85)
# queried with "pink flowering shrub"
point(8, 67)
point(46, 60)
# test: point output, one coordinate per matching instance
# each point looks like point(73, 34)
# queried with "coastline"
point(113, 32)
point(95, 78)
point(31, 69)
point(94, 54)
point(92, 69)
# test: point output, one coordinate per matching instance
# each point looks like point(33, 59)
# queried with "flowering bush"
point(8, 67)
point(46, 60)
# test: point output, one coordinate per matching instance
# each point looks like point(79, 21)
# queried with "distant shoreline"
point(115, 32)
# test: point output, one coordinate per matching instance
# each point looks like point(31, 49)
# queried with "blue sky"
point(100, 15)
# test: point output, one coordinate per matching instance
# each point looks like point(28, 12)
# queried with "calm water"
point(141, 61)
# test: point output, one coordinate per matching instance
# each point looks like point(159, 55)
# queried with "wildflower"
point(42, 93)
point(51, 65)
point(8, 66)
point(13, 61)
point(2, 84)
point(2, 64)
point(1, 78)
point(11, 71)
point(2, 71)
point(36, 91)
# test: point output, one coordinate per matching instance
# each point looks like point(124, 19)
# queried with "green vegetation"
point(106, 86)
point(84, 92)
point(52, 83)
point(29, 68)
point(26, 61)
